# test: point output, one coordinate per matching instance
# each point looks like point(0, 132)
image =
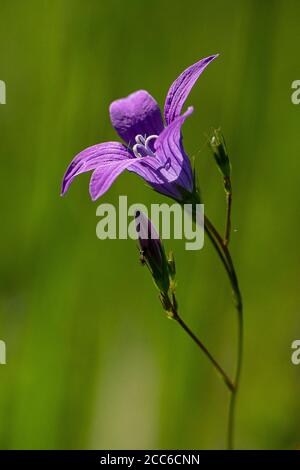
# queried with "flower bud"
point(152, 252)
point(218, 146)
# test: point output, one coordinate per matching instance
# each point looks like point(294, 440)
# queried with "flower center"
point(144, 146)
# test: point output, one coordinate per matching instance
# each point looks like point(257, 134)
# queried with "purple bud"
point(152, 251)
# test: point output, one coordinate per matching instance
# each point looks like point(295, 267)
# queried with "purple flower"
point(153, 149)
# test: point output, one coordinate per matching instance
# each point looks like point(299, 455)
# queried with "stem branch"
point(203, 348)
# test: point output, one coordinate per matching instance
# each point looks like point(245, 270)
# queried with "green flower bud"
point(218, 146)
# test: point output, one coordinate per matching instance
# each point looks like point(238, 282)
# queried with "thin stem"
point(203, 348)
point(218, 249)
point(232, 405)
point(228, 217)
point(226, 259)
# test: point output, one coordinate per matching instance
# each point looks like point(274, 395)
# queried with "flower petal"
point(169, 150)
point(136, 114)
point(149, 168)
point(170, 166)
point(105, 174)
point(91, 157)
point(181, 88)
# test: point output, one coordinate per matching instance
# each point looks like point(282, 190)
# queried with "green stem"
point(228, 217)
point(226, 259)
point(203, 348)
point(232, 405)
point(218, 249)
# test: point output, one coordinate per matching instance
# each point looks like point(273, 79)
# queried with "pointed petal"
point(91, 157)
point(181, 88)
point(170, 151)
point(136, 114)
point(148, 168)
point(105, 174)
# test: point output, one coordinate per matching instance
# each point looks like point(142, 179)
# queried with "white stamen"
point(140, 139)
point(142, 148)
point(148, 140)
point(136, 148)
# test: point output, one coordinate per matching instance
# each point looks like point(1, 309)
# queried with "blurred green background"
point(91, 360)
